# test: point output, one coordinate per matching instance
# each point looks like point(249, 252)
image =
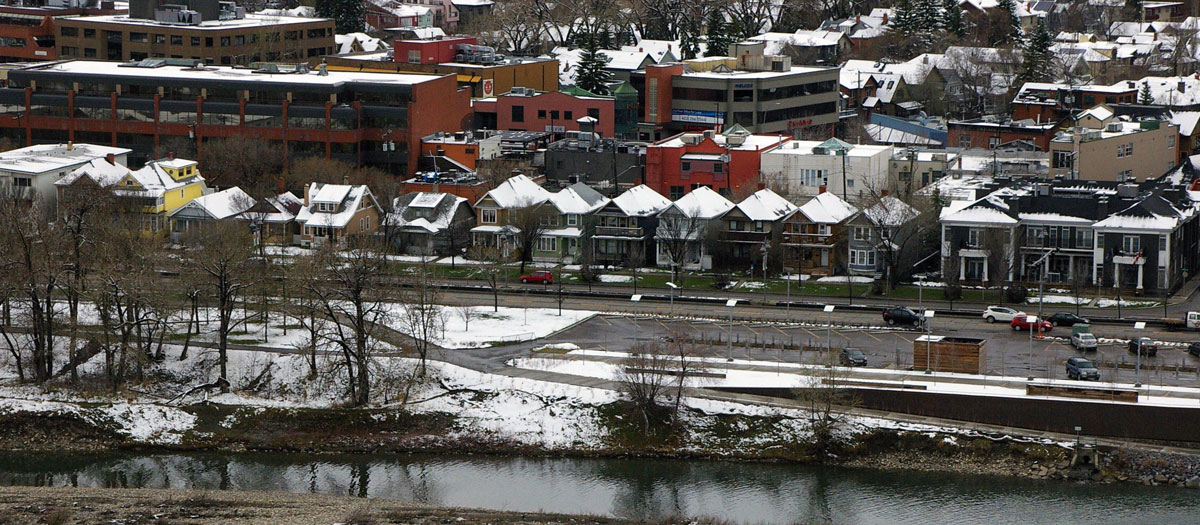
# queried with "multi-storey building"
point(28, 30)
point(809, 167)
point(207, 31)
point(35, 169)
point(728, 162)
point(1102, 146)
point(339, 115)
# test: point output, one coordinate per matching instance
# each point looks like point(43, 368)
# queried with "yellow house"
point(157, 189)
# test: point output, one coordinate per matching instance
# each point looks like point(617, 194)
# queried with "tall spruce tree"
point(927, 15)
point(952, 18)
point(1035, 56)
point(590, 72)
point(717, 33)
point(1014, 25)
point(1145, 97)
point(348, 15)
point(689, 38)
point(904, 21)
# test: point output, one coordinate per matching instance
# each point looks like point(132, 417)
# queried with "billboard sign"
point(697, 116)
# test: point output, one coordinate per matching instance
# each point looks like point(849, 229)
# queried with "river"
point(632, 488)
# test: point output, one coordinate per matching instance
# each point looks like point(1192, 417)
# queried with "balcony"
point(740, 236)
point(616, 231)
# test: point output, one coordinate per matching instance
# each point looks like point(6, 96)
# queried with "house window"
point(758, 226)
point(22, 182)
point(1129, 149)
point(195, 41)
point(547, 244)
point(964, 141)
point(572, 220)
point(488, 216)
point(1063, 159)
point(1037, 236)
point(1162, 242)
point(568, 115)
point(676, 193)
point(973, 236)
point(686, 166)
point(177, 40)
point(554, 114)
point(548, 220)
point(823, 229)
point(862, 233)
point(89, 52)
point(718, 168)
point(1131, 243)
point(735, 226)
point(1170, 141)
point(364, 224)
point(993, 142)
point(518, 113)
point(862, 257)
point(1083, 238)
point(542, 114)
point(70, 31)
point(160, 39)
point(138, 37)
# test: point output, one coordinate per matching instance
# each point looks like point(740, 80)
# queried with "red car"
point(542, 277)
point(1021, 323)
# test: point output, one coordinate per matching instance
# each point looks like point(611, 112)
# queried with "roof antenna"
point(321, 70)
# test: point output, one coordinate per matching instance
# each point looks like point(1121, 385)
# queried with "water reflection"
point(640, 489)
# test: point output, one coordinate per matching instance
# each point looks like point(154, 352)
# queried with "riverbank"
point(62, 505)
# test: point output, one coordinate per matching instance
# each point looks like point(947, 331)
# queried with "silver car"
point(1083, 341)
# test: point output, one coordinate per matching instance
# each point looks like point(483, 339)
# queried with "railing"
point(747, 236)
point(618, 231)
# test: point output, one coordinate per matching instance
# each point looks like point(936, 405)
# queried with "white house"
point(848, 170)
point(35, 169)
point(688, 221)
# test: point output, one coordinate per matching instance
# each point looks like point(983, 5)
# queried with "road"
point(773, 333)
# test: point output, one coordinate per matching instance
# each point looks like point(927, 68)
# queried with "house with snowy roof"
point(332, 212)
point(884, 231)
point(820, 46)
point(625, 227)
point(685, 233)
point(33, 170)
point(153, 191)
point(203, 211)
point(273, 220)
point(812, 235)
point(754, 228)
point(495, 212)
point(565, 216)
point(425, 223)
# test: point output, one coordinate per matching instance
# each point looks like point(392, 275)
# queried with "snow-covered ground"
point(1057, 299)
point(1109, 303)
point(843, 278)
point(613, 278)
point(487, 327)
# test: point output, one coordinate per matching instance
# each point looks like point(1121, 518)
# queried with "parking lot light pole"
point(920, 292)
point(928, 338)
point(829, 328)
point(788, 277)
point(672, 287)
point(1137, 367)
point(729, 340)
point(1031, 319)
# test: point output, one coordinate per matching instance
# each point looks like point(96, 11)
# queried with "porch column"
point(962, 269)
point(1141, 268)
point(1116, 275)
point(985, 270)
point(1045, 268)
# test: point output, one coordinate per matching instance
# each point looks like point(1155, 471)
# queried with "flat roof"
point(251, 20)
point(49, 157)
point(739, 74)
point(227, 73)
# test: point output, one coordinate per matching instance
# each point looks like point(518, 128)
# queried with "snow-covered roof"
point(1052, 217)
point(431, 212)
point(702, 203)
point(51, 157)
point(518, 191)
point(578, 199)
point(220, 205)
point(332, 193)
point(979, 215)
point(766, 205)
point(752, 142)
point(352, 199)
point(286, 206)
point(827, 208)
point(366, 43)
point(89, 70)
point(1100, 112)
point(658, 49)
point(890, 211)
point(152, 180)
point(641, 201)
point(777, 43)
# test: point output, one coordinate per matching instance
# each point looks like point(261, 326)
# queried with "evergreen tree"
point(952, 18)
point(689, 39)
point(927, 17)
point(590, 72)
point(904, 21)
point(717, 33)
point(1145, 97)
point(1014, 25)
point(1035, 56)
point(348, 15)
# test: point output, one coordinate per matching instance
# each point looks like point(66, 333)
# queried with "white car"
point(1001, 314)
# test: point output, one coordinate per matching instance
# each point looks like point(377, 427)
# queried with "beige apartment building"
point(1104, 147)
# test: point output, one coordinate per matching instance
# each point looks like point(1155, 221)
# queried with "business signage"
point(799, 123)
point(743, 85)
point(697, 116)
point(489, 87)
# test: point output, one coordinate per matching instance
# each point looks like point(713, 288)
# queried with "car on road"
point(901, 315)
point(1001, 314)
point(1021, 323)
point(1083, 341)
point(1080, 368)
point(853, 357)
point(1146, 344)
point(1194, 349)
point(540, 277)
point(1066, 319)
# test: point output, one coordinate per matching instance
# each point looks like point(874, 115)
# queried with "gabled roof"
point(578, 199)
point(220, 205)
point(1154, 212)
point(827, 208)
point(890, 211)
point(344, 210)
point(702, 203)
point(429, 212)
point(516, 192)
point(641, 201)
point(151, 180)
point(766, 205)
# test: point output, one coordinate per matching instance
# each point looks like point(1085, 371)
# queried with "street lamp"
point(729, 333)
point(829, 328)
point(788, 278)
point(1032, 320)
point(928, 338)
point(635, 299)
point(766, 247)
point(672, 287)
point(1137, 368)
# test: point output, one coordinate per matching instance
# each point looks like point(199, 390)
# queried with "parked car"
point(541, 277)
point(853, 357)
point(901, 315)
point(1145, 343)
point(1021, 323)
point(1002, 314)
point(1194, 349)
point(1083, 341)
point(1080, 368)
point(1066, 319)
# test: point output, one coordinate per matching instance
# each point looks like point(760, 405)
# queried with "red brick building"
point(728, 162)
point(27, 33)
point(553, 111)
point(1044, 102)
point(980, 133)
point(431, 51)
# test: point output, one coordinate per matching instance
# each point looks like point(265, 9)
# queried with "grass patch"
point(246, 341)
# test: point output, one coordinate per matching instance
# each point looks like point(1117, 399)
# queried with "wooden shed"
point(964, 355)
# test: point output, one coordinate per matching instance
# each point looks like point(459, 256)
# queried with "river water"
point(632, 488)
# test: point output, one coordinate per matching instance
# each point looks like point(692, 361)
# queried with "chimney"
point(820, 190)
point(883, 193)
point(170, 154)
point(857, 19)
point(70, 146)
point(885, 18)
point(1182, 86)
point(112, 159)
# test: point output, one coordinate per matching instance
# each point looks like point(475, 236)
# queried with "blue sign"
point(696, 116)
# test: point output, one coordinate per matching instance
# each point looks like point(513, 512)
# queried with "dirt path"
point(63, 505)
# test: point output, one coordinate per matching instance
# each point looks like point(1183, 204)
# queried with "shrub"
point(1016, 294)
point(721, 281)
point(952, 292)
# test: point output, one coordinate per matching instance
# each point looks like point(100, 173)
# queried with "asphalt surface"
point(778, 334)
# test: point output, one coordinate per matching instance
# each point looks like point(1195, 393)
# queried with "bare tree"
point(240, 161)
point(423, 318)
point(1001, 244)
point(220, 255)
point(529, 223)
point(826, 400)
point(898, 226)
point(33, 265)
point(352, 303)
point(466, 313)
point(645, 379)
point(679, 234)
point(84, 209)
point(491, 265)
